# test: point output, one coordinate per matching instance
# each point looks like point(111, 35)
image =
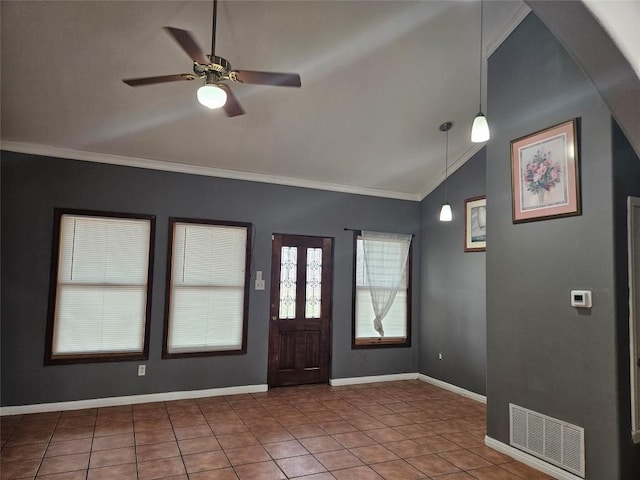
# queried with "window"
point(397, 321)
point(208, 288)
point(100, 277)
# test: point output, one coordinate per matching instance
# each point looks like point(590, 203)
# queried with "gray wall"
point(542, 353)
point(32, 186)
point(452, 311)
point(626, 175)
point(597, 54)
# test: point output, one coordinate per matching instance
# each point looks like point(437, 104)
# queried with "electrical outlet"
point(142, 370)
point(440, 356)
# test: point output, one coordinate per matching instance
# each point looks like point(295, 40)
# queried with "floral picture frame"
point(545, 174)
point(475, 224)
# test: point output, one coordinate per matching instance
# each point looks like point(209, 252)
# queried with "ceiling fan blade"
point(139, 82)
point(232, 107)
point(188, 44)
point(268, 78)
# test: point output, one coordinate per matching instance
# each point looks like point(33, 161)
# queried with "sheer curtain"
point(385, 260)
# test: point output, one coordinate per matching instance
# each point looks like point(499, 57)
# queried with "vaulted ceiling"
point(378, 78)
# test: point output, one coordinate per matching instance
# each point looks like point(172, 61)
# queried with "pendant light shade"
point(480, 128)
point(446, 215)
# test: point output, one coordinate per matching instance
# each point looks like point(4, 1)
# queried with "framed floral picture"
point(475, 224)
point(544, 174)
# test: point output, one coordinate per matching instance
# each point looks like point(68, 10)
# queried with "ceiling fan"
point(215, 71)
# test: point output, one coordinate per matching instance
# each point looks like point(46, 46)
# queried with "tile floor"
point(396, 430)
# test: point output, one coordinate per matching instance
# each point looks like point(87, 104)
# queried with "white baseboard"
point(213, 392)
point(453, 388)
point(530, 460)
point(130, 399)
point(338, 382)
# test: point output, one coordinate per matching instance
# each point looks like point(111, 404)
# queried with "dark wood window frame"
point(247, 287)
point(393, 342)
point(49, 358)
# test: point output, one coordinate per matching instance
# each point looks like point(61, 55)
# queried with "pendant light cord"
point(213, 28)
point(446, 169)
point(445, 127)
point(481, 24)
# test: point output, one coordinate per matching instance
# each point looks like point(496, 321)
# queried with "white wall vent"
point(554, 441)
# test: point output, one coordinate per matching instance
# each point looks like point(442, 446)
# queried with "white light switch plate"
point(259, 280)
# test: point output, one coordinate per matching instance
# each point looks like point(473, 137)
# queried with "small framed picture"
point(544, 174)
point(475, 224)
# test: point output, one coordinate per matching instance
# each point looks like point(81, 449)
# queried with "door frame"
point(274, 276)
point(633, 206)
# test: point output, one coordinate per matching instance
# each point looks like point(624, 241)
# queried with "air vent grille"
point(552, 440)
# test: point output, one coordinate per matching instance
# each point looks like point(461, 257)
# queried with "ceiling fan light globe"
point(446, 215)
point(480, 129)
point(212, 96)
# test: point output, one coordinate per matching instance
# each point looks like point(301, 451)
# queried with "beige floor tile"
point(260, 471)
point(154, 469)
point(387, 430)
point(116, 472)
point(433, 465)
point(373, 454)
point(299, 466)
point(19, 469)
point(289, 448)
point(321, 444)
point(244, 455)
point(397, 469)
point(198, 445)
point(220, 474)
point(199, 462)
point(357, 473)
point(116, 456)
point(64, 463)
point(155, 451)
point(338, 460)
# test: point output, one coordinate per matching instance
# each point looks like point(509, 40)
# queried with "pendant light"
point(480, 129)
point(445, 212)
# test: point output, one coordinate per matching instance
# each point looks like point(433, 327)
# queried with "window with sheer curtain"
point(390, 257)
point(208, 287)
point(99, 305)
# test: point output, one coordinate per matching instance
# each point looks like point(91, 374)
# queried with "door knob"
point(274, 318)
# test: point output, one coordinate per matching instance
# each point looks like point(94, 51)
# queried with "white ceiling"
point(378, 78)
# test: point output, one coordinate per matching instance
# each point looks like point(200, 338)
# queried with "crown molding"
point(494, 42)
point(455, 165)
point(50, 151)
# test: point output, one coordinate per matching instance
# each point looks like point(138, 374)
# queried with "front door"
point(300, 317)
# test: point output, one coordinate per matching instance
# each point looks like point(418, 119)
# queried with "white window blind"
point(395, 321)
point(208, 282)
point(101, 294)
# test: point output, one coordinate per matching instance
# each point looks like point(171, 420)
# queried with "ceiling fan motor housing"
point(219, 65)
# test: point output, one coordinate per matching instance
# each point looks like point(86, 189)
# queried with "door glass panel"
point(288, 269)
point(314, 283)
